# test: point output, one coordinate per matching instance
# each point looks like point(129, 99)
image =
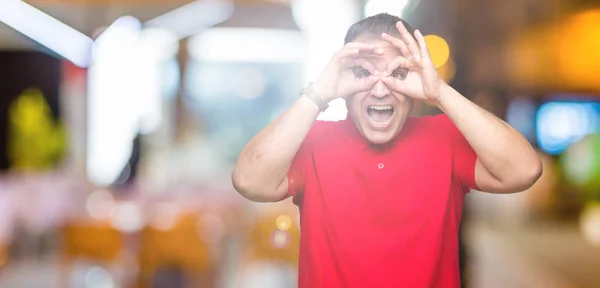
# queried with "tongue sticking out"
point(380, 116)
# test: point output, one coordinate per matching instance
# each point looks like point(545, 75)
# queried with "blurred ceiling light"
point(46, 30)
point(124, 30)
point(158, 43)
point(194, 17)
point(393, 7)
point(248, 45)
point(438, 49)
point(112, 115)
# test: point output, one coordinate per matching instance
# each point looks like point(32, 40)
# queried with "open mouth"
point(380, 116)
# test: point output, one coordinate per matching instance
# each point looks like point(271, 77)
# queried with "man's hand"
point(413, 74)
point(329, 84)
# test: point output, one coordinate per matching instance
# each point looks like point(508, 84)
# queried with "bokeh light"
point(128, 217)
point(581, 163)
point(280, 239)
point(590, 223)
point(100, 204)
point(164, 216)
point(98, 278)
point(438, 49)
point(283, 222)
point(447, 70)
point(561, 123)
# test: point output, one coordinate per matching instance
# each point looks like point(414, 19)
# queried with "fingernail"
point(379, 50)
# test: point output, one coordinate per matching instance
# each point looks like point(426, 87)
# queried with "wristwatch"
point(313, 95)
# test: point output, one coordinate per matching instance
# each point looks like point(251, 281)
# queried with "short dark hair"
point(374, 25)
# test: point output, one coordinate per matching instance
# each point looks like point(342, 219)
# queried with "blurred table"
point(545, 255)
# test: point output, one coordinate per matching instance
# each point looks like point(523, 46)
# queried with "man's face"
point(379, 114)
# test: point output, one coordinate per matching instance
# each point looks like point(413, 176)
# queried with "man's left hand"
point(413, 74)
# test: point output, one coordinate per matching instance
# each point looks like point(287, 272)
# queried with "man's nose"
point(380, 90)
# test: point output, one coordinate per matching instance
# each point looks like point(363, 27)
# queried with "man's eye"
point(361, 72)
point(400, 73)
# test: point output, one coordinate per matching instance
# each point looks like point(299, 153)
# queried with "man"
point(380, 194)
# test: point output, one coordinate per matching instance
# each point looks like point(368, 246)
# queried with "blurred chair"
point(269, 243)
point(3, 254)
point(272, 251)
point(95, 241)
point(175, 252)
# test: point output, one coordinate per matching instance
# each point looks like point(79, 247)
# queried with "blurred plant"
point(36, 141)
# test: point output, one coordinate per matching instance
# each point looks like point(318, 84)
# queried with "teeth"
point(381, 107)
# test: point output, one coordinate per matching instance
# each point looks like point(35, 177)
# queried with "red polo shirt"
point(381, 216)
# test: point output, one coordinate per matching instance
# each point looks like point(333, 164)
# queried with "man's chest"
point(381, 189)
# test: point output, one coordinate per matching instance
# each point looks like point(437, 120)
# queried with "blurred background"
point(120, 122)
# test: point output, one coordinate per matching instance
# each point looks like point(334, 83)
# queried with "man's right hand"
point(349, 57)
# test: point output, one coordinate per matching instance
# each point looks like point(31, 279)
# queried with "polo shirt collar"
point(358, 141)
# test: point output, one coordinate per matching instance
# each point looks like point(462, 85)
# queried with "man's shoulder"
point(322, 126)
point(321, 130)
point(439, 125)
point(433, 122)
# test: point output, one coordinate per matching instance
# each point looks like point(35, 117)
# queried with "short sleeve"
point(302, 161)
point(297, 172)
point(463, 157)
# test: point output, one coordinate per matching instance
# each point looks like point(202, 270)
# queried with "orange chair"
point(3, 254)
point(177, 246)
point(276, 238)
point(90, 240)
point(273, 240)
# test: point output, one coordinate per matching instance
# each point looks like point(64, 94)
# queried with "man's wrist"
point(445, 95)
point(313, 93)
point(320, 90)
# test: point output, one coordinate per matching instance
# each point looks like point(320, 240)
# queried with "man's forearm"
point(266, 159)
point(502, 150)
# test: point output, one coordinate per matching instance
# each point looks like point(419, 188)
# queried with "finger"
point(345, 52)
point(409, 40)
point(366, 84)
point(422, 44)
point(360, 62)
point(397, 62)
point(396, 43)
point(364, 47)
point(351, 52)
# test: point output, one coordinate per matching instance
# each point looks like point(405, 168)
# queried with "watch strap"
point(314, 96)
